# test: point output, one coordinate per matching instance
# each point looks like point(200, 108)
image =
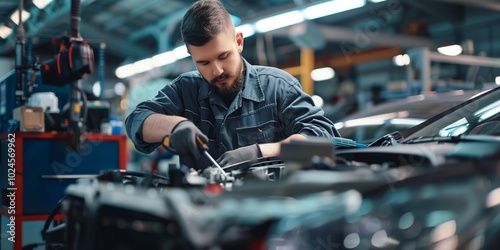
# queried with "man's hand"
point(183, 139)
point(247, 153)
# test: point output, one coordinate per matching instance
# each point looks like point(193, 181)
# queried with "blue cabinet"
point(49, 167)
point(45, 166)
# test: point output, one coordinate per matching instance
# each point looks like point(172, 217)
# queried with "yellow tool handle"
point(201, 143)
point(166, 141)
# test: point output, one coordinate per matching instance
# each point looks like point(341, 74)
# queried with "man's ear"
point(239, 41)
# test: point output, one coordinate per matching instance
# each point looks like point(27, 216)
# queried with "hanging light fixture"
point(15, 16)
point(41, 4)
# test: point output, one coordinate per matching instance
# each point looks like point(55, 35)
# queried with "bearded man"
point(241, 111)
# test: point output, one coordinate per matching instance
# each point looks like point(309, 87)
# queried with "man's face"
point(219, 61)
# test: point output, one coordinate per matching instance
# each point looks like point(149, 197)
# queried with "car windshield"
point(368, 125)
point(480, 115)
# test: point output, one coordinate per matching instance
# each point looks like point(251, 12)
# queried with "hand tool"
point(205, 151)
point(166, 143)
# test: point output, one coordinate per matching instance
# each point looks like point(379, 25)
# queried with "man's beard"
point(228, 93)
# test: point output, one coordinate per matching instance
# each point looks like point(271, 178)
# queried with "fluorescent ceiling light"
point(322, 74)
point(497, 79)
point(151, 63)
point(248, 30)
point(125, 71)
point(119, 88)
point(451, 50)
point(143, 65)
point(263, 25)
point(401, 60)
point(15, 16)
point(5, 31)
point(279, 21)
point(318, 101)
point(96, 89)
point(41, 3)
point(332, 7)
point(181, 52)
point(163, 59)
point(493, 198)
point(377, 1)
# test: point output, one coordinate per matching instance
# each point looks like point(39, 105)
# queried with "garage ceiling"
point(137, 29)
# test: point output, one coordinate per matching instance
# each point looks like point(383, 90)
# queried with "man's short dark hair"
point(203, 21)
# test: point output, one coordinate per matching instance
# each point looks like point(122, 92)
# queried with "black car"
point(367, 125)
point(433, 186)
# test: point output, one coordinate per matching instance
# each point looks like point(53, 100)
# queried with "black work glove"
point(243, 154)
point(183, 139)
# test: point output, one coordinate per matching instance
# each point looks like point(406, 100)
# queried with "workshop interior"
point(412, 87)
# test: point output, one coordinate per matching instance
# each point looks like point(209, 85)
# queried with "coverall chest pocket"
point(262, 133)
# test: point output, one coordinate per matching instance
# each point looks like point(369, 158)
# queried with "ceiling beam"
point(35, 26)
point(371, 55)
point(434, 11)
point(143, 8)
point(468, 60)
point(362, 39)
point(340, 62)
point(170, 19)
point(116, 45)
point(485, 4)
